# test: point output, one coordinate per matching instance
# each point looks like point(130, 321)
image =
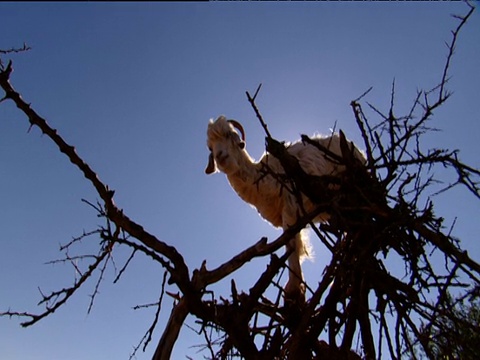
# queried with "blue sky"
point(133, 85)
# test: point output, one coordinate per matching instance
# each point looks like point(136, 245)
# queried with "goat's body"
point(265, 191)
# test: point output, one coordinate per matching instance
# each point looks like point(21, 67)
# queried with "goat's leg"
point(295, 288)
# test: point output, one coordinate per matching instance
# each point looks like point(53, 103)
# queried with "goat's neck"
point(259, 190)
point(246, 181)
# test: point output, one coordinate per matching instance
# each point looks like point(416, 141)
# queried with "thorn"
point(175, 296)
point(203, 268)
point(9, 68)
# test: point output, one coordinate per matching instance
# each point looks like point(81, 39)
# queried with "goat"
point(264, 190)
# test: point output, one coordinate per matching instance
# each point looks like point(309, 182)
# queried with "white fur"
point(276, 205)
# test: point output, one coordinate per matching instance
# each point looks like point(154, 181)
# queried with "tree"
point(455, 332)
point(378, 212)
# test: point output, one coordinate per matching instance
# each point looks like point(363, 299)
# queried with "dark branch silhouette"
point(358, 308)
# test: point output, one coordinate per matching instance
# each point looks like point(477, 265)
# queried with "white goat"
point(280, 208)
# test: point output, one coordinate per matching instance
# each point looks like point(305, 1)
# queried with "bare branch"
point(257, 112)
point(180, 275)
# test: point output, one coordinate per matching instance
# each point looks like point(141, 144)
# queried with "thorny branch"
point(251, 100)
point(55, 299)
point(12, 50)
point(376, 216)
point(148, 335)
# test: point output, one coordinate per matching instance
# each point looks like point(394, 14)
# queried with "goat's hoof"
point(293, 305)
point(294, 295)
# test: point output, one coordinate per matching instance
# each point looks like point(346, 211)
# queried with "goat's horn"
point(239, 127)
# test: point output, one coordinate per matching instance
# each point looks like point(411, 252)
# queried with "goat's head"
point(224, 144)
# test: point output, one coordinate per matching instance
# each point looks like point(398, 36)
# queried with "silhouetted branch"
point(13, 50)
point(378, 213)
point(257, 112)
point(55, 299)
point(148, 335)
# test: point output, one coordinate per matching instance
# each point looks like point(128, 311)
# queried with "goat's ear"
point(242, 145)
point(211, 165)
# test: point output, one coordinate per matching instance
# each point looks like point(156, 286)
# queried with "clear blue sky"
point(133, 85)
